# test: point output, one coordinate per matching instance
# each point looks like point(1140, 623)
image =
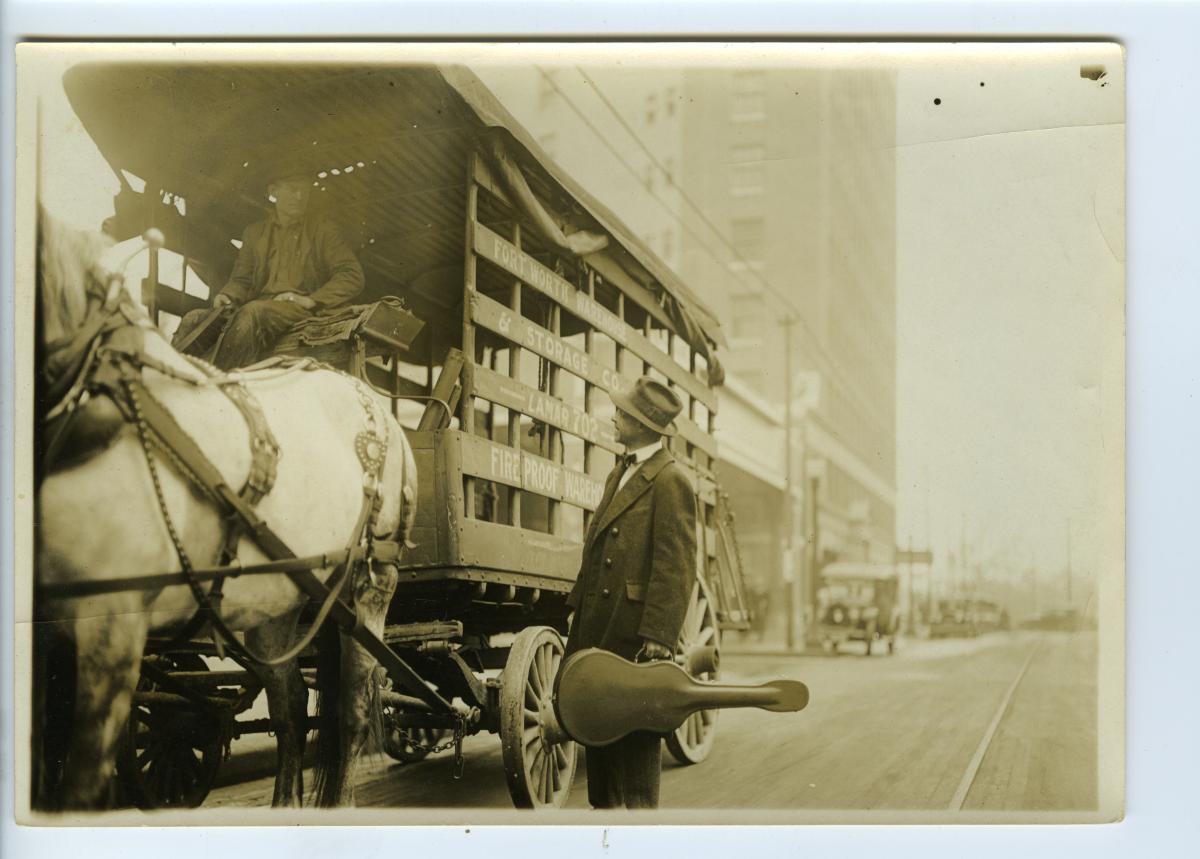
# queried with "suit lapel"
point(630, 492)
point(610, 488)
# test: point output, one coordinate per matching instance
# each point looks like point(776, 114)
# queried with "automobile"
point(990, 616)
point(857, 602)
point(1054, 620)
point(954, 618)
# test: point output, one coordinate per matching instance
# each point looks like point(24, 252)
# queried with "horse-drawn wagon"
point(522, 300)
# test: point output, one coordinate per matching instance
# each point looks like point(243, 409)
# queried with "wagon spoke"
point(541, 671)
point(553, 778)
point(531, 735)
point(538, 777)
point(535, 670)
point(535, 762)
point(532, 698)
point(535, 679)
point(547, 783)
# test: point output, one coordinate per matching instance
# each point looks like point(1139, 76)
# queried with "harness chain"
point(76, 355)
point(105, 367)
point(206, 608)
point(366, 518)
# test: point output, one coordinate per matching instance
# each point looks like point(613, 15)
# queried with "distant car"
point(857, 602)
point(954, 618)
point(989, 616)
point(1060, 620)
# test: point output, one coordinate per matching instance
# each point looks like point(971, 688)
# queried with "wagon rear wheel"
point(169, 755)
point(539, 762)
point(692, 741)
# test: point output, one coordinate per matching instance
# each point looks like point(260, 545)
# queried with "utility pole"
point(1033, 576)
point(791, 575)
point(1068, 562)
point(928, 545)
point(962, 550)
point(910, 584)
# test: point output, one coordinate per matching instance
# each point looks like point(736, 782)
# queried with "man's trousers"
point(625, 773)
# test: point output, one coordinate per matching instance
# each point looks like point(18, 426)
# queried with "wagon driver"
point(290, 264)
point(639, 563)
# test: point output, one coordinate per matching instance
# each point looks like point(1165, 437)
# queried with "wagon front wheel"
point(539, 762)
point(169, 754)
point(692, 741)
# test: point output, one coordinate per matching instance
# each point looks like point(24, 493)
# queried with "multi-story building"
point(772, 192)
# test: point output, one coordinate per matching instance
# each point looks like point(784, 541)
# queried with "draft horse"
point(116, 501)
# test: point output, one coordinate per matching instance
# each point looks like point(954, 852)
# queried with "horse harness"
point(107, 357)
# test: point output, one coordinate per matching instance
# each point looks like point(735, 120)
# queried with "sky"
point(1010, 306)
point(1010, 290)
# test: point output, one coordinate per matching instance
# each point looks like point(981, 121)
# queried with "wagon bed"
point(536, 302)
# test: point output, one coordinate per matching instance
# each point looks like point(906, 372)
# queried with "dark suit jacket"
point(639, 562)
point(332, 275)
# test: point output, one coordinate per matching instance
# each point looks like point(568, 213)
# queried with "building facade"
point(772, 192)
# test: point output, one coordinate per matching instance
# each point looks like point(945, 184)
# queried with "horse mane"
point(67, 266)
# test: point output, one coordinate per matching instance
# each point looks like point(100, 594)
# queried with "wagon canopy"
point(394, 142)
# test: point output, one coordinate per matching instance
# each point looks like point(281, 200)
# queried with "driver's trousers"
point(251, 333)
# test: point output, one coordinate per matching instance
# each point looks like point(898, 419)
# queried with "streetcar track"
point(972, 770)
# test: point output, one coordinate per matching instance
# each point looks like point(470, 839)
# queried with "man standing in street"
point(289, 265)
point(639, 565)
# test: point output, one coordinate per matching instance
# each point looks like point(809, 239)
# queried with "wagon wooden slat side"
point(536, 302)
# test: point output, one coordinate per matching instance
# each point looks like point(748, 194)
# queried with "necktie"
point(625, 465)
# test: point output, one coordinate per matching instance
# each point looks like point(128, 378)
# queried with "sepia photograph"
point(570, 433)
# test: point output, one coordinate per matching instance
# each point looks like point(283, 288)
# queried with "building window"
point(648, 177)
point(651, 108)
point(749, 96)
point(747, 169)
point(669, 169)
point(669, 101)
point(749, 241)
point(748, 316)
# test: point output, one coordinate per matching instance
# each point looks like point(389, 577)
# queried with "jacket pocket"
point(635, 592)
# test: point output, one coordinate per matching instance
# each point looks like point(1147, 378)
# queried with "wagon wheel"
point(692, 741)
point(169, 756)
point(539, 760)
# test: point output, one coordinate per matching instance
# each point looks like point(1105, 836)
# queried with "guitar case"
point(600, 697)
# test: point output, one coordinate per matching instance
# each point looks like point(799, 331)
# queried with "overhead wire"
point(831, 364)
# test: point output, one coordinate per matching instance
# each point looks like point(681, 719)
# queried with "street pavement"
point(1004, 722)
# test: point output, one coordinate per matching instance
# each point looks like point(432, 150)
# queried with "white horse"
point(99, 517)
